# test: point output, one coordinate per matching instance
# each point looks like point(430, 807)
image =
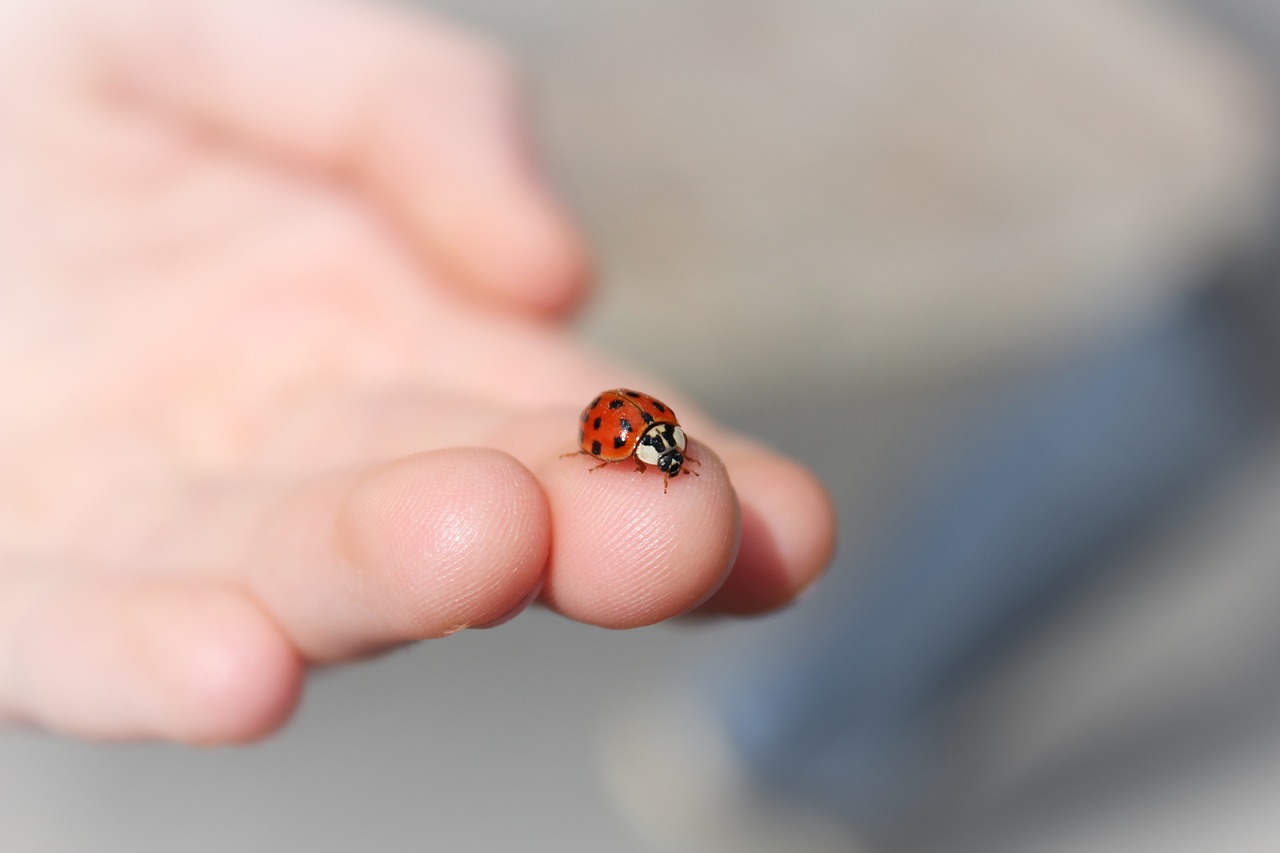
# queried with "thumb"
point(421, 116)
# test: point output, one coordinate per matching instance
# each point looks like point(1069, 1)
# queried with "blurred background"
point(1002, 274)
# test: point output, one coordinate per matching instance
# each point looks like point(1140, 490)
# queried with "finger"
point(788, 533)
point(418, 548)
point(420, 115)
point(787, 520)
point(107, 658)
point(626, 553)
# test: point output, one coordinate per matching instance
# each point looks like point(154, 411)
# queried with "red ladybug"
point(622, 424)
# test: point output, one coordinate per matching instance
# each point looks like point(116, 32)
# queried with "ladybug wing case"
point(652, 410)
point(611, 425)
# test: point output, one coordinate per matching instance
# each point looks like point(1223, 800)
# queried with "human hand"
point(285, 381)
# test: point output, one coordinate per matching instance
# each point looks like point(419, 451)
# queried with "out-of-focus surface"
point(862, 189)
point(881, 207)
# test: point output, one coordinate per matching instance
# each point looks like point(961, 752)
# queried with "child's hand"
point(283, 378)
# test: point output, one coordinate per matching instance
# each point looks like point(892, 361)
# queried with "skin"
point(281, 331)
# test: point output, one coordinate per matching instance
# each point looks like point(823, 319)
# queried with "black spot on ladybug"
point(586, 413)
point(594, 403)
point(582, 435)
point(618, 441)
point(615, 404)
point(648, 418)
point(659, 406)
point(597, 423)
point(624, 425)
point(631, 393)
point(595, 448)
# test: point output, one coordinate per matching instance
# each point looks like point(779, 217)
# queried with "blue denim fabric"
point(1057, 471)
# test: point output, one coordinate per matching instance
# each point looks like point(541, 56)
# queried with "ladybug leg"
point(666, 478)
point(583, 453)
point(640, 467)
point(689, 470)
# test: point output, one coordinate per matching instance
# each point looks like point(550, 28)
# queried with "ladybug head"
point(669, 463)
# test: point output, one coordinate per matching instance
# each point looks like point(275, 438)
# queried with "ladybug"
point(623, 424)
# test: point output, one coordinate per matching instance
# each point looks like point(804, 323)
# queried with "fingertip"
point(443, 541)
point(449, 155)
point(547, 271)
point(228, 673)
point(628, 554)
point(506, 241)
point(192, 662)
point(788, 535)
